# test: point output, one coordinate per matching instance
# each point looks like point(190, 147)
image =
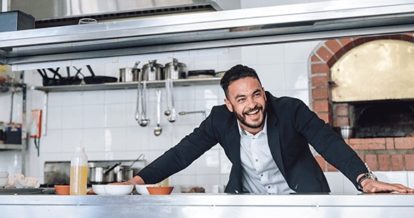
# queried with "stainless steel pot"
point(102, 175)
point(175, 70)
point(129, 74)
point(152, 71)
point(124, 173)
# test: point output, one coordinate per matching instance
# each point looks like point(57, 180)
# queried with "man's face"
point(247, 100)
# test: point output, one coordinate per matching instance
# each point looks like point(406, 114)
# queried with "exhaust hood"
point(50, 13)
point(218, 29)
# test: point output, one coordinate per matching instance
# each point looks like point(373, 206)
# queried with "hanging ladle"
point(158, 129)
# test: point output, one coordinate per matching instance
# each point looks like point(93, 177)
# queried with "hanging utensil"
point(140, 111)
point(144, 121)
point(167, 112)
point(158, 129)
point(172, 114)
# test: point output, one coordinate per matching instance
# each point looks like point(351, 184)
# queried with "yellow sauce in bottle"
point(78, 180)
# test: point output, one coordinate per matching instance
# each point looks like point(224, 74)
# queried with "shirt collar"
point(243, 132)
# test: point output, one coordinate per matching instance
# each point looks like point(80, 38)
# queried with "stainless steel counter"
point(206, 205)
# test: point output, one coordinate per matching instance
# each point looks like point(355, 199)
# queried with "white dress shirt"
point(260, 172)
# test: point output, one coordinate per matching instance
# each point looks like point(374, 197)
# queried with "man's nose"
point(251, 102)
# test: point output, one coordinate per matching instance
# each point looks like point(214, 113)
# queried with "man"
point(267, 140)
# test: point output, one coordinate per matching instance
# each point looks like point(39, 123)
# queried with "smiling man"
point(267, 141)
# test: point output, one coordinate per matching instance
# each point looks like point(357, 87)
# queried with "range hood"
point(49, 13)
point(276, 24)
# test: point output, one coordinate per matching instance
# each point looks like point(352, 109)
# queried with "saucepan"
point(101, 175)
point(126, 172)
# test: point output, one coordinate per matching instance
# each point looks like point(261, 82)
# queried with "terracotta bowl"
point(160, 190)
point(62, 189)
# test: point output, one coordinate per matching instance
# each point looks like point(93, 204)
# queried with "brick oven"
point(353, 86)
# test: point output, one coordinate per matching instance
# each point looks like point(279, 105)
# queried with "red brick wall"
point(385, 154)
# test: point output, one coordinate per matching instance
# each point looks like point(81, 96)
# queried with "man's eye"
point(241, 100)
point(257, 94)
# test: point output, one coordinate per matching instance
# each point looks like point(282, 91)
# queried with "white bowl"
point(99, 189)
point(142, 189)
point(118, 189)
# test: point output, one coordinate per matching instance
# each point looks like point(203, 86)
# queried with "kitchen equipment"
point(201, 74)
point(118, 189)
point(87, 20)
point(57, 79)
point(170, 112)
point(152, 71)
point(99, 189)
point(160, 190)
point(172, 70)
point(93, 79)
point(100, 174)
point(125, 75)
point(158, 129)
point(112, 189)
point(141, 108)
point(203, 112)
point(124, 173)
point(16, 20)
point(13, 134)
point(62, 189)
point(128, 74)
point(175, 70)
point(142, 189)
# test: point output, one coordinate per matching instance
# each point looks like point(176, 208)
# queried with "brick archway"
point(386, 154)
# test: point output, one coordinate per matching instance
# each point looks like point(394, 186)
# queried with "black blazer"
point(291, 127)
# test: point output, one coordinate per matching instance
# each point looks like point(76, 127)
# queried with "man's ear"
point(228, 105)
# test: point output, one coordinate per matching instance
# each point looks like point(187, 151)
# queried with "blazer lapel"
point(274, 140)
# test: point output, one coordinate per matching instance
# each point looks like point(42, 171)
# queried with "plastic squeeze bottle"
point(79, 172)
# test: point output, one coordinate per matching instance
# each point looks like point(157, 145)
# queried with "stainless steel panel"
point(202, 205)
point(210, 29)
point(52, 9)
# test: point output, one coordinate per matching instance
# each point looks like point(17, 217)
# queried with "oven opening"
point(387, 118)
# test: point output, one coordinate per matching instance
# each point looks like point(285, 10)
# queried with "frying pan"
point(58, 79)
point(93, 79)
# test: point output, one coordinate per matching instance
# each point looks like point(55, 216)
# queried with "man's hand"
point(372, 186)
point(136, 180)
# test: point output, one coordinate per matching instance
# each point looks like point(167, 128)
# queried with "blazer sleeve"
point(184, 153)
point(328, 143)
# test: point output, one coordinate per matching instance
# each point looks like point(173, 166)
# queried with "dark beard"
point(243, 120)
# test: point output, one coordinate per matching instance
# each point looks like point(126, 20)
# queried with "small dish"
point(62, 189)
point(160, 190)
point(142, 189)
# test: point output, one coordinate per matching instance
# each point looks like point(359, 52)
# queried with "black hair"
point(237, 72)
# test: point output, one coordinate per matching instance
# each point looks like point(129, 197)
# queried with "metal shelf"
point(10, 147)
point(127, 85)
point(276, 24)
